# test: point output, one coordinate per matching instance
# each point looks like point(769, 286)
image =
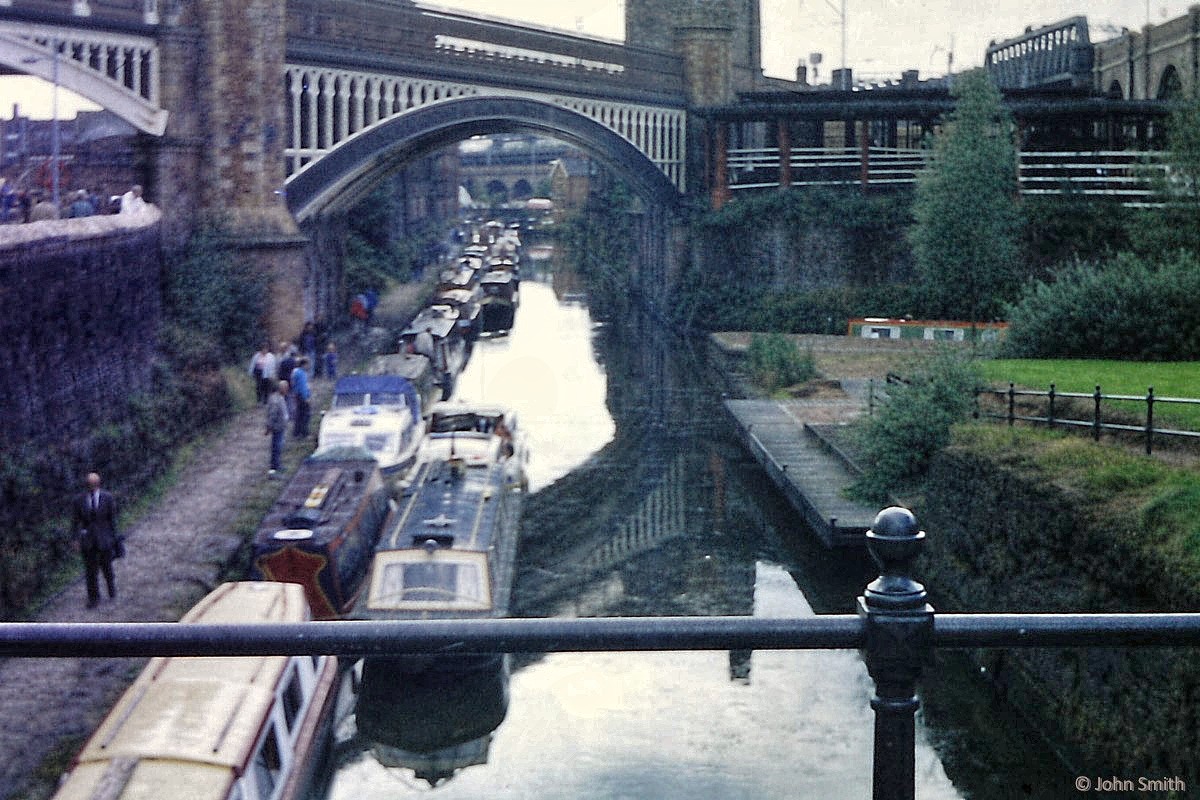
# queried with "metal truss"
point(327, 106)
point(119, 72)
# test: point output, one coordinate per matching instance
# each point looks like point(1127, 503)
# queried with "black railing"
point(896, 629)
point(1095, 421)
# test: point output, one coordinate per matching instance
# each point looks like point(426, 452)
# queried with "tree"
point(1172, 227)
point(967, 223)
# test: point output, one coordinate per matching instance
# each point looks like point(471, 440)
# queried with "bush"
point(214, 302)
point(900, 440)
point(1128, 308)
point(775, 361)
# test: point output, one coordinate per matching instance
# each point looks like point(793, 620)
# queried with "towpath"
point(177, 550)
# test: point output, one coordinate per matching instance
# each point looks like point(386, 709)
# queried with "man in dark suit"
point(96, 526)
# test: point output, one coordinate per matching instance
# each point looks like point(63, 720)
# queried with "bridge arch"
point(347, 173)
point(1170, 86)
point(119, 72)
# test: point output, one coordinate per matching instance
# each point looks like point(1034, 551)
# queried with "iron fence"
point(1096, 421)
point(894, 627)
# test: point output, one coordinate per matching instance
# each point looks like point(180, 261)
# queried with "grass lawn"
point(1169, 379)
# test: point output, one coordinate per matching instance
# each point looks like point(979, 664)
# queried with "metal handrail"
point(1122, 173)
point(577, 635)
point(896, 629)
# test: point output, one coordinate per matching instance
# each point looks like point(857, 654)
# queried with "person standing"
point(262, 369)
point(303, 393)
point(81, 206)
point(331, 361)
point(96, 529)
point(132, 201)
point(286, 360)
point(277, 420)
point(308, 343)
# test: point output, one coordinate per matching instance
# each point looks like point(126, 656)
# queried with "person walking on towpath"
point(96, 530)
point(277, 420)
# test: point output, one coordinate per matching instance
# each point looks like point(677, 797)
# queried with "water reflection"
point(644, 504)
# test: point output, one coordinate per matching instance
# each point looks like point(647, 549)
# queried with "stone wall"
point(79, 309)
point(1005, 540)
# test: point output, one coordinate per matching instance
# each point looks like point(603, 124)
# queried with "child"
point(331, 359)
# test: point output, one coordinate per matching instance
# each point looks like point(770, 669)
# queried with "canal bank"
point(1022, 522)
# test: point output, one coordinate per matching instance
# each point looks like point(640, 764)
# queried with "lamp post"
point(841, 12)
point(55, 141)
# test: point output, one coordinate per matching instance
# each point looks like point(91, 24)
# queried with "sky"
point(883, 37)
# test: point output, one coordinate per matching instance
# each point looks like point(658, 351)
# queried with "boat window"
point(445, 423)
point(267, 765)
point(293, 699)
point(421, 581)
point(348, 399)
point(387, 399)
point(377, 442)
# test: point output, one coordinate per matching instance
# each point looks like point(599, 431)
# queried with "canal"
point(644, 504)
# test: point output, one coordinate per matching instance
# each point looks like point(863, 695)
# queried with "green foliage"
point(764, 240)
point(900, 439)
point(1155, 232)
point(1182, 179)
point(775, 361)
point(1125, 308)
point(1063, 229)
point(375, 258)
point(213, 299)
point(599, 241)
point(967, 223)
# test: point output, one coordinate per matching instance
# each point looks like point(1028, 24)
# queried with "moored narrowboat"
point(322, 529)
point(216, 727)
point(449, 551)
point(500, 290)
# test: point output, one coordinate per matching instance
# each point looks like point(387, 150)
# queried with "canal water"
point(643, 504)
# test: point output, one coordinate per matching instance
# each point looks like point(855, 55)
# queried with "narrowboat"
point(378, 413)
point(500, 289)
point(465, 304)
point(449, 554)
point(449, 354)
point(928, 330)
point(216, 728)
point(441, 722)
point(322, 529)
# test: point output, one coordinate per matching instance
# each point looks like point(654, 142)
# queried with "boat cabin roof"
point(498, 276)
point(456, 297)
point(327, 492)
point(364, 392)
point(439, 327)
point(411, 366)
point(191, 723)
